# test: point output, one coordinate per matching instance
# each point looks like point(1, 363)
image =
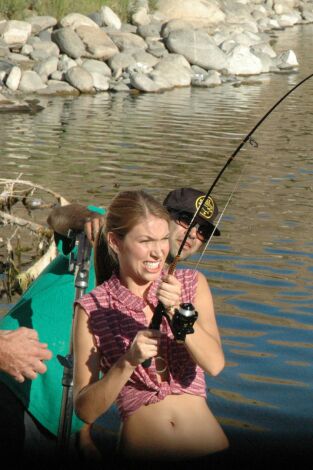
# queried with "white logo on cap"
point(208, 207)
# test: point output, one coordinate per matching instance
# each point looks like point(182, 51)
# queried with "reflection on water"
point(260, 269)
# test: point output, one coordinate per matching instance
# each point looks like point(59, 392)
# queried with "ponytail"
point(105, 263)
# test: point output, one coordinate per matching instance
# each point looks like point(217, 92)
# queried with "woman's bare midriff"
point(180, 426)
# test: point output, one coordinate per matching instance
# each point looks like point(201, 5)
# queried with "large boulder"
point(16, 32)
point(196, 12)
point(69, 42)
point(242, 62)
point(97, 42)
point(197, 47)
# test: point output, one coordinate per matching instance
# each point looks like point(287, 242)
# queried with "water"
point(260, 269)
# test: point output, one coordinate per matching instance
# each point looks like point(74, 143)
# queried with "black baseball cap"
point(188, 200)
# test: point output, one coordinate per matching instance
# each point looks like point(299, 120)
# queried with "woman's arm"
point(93, 396)
point(204, 345)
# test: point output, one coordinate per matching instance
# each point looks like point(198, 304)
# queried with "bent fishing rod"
point(160, 310)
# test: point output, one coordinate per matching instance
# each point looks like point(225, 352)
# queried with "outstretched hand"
point(22, 355)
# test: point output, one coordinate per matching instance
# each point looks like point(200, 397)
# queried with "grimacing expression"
point(143, 251)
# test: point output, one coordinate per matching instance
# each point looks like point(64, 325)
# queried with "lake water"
point(260, 269)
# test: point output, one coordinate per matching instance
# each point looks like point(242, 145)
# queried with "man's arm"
point(21, 354)
point(75, 217)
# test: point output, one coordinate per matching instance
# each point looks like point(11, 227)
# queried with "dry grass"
point(20, 9)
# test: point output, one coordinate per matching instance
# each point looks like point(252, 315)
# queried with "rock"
point(143, 82)
point(80, 78)
point(157, 48)
point(6, 66)
point(109, 18)
point(197, 13)
point(236, 12)
point(74, 20)
point(198, 48)
point(208, 79)
point(151, 30)
point(173, 25)
point(242, 62)
point(97, 66)
point(58, 88)
point(174, 73)
point(97, 42)
point(46, 68)
point(287, 60)
point(65, 63)
point(13, 79)
point(289, 19)
point(120, 62)
point(30, 82)
point(20, 59)
point(16, 32)
point(43, 50)
point(27, 49)
point(100, 82)
point(141, 17)
point(69, 42)
point(145, 58)
point(126, 41)
point(41, 23)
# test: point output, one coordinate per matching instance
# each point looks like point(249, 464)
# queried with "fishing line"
point(254, 144)
point(220, 218)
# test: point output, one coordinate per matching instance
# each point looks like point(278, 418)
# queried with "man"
point(182, 204)
point(47, 307)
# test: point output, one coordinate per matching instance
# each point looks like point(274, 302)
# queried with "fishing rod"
point(231, 158)
point(160, 310)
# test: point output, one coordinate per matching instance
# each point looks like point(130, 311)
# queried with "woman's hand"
point(144, 346)
point(169, 293)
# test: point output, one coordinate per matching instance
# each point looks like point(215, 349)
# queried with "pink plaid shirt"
point(116, 315)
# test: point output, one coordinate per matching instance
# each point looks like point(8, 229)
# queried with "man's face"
point(177, 234)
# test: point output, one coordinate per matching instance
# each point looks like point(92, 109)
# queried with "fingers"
point(25, 354)
point(145, 345)
point(92, 228)
point(18, 377)
point(169, 292)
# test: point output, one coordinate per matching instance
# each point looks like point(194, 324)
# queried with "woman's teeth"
point(152, 264)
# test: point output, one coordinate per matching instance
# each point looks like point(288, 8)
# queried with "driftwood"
point(32, 226)
point(20, 203)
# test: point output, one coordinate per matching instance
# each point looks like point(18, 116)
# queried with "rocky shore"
point(200, 43)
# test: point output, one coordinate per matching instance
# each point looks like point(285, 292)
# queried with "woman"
point(163, 407)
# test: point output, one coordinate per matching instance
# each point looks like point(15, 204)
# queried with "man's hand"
point(92, 227)
point(21, 354)
point(75, 217)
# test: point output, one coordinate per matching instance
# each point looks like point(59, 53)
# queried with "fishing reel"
point(183, 321)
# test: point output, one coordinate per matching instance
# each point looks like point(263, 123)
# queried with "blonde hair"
point(127, 209)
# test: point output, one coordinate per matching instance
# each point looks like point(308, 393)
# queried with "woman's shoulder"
point(96, 297)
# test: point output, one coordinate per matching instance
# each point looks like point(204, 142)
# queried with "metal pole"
point(79, 264)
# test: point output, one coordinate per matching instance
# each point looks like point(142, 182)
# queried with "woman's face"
point(143, 251)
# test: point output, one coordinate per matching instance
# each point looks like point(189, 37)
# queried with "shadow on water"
point(260, 270)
